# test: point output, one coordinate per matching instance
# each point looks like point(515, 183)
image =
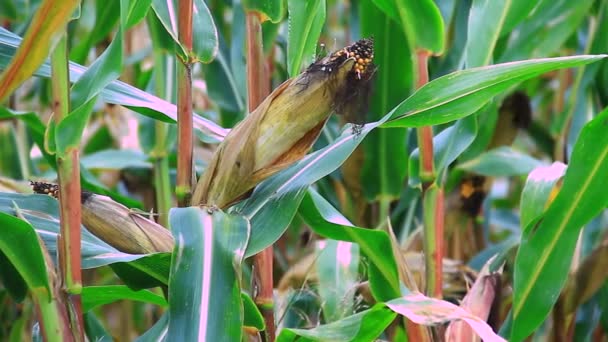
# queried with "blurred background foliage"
point(500, 161)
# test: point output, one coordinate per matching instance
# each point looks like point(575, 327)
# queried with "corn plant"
point(310, 170)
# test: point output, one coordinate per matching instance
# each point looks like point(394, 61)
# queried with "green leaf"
point(462, 93)
point(271, 9)
point(274, 201)
point(106, 17)
point(158, 332)
point(11, 280)
point(142, 271)
point(222, 82)
point(420, 20)
point(501, 162)
point(363, 326)
point(204, 290)
point(306, 19)
point(136, 12)
point(252, 317)
point(337, 266)
point(518, 12)
point(205, 39)
point(326, 221)
point(536, 192)
point(11, 165)
point(534, 37)
point(68, 132)
point(486, 19)
point(116, 92)
point(115, 160)
point(94, 296)
point(94, 329)
point(546, 250)
point(383, 176)
point(447, 146)
point(48, 24)
point(105, 69)
point(42, 212)
point(20, 245)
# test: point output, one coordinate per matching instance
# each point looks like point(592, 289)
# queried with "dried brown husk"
point(278, 133)
point(285, 125)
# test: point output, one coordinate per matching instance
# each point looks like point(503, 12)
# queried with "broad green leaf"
point(385, 156)
point(420, 20)
point(518, 12)
point(457, 23)
point(430, 311)
point(143, 271)
point(326, 221)
point(270, 9)
point(20, 245)
point(486, 19)
point(487, 119)
point(535, 196)
point(94, 329)
point(306, 19)
point(9, 10)
point(68, 132)
point(363, 326)
point(136, 12)
point(116, 92)
point(204, 289)
point(94, 296)
point(205, 39)
point(115, 160)
point(42, 212)
point(11, 164)
point(447, 146)
point(105, 69)
point(462, 93)
point(337, 267)
point(546, 29)
point(237, 67)
point(546, 250)
point(48, 24)
point(158, 332)
point(222, 81)
point(252, 317)
point(107, 15)
point(581, 104)
point(501, 162)
point(274, 201)
point(10, 279)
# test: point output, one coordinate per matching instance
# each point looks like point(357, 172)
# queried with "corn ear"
point(116, 224)
point(283, 127)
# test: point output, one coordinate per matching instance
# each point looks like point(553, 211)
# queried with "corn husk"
point(117, 225)
point(124, 229)
point(283, 127)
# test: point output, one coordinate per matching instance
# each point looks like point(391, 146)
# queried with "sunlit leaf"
point(462, 93)
point(94, 296)
point(546, 250)
point(204, 289)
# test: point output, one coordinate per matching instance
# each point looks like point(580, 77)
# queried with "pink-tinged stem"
point(258, 87)
point(184, 179)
